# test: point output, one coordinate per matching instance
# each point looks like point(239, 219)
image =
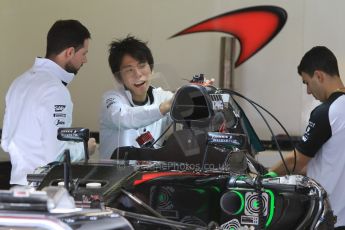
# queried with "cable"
point(204, 158)
point(166, 130)
point(286, 132)
point(254, 104)
point(272, 133)
point(280, 124)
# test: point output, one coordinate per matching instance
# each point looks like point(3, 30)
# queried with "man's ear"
point(320, 75)
point(69, 52)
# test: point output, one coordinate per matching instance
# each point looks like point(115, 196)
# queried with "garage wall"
point(269, 77)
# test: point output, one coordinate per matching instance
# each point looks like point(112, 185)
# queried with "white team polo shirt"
point(37, 104)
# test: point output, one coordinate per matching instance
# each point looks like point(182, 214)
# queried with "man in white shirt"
point(322, 149)
point(38, 103)
point(135, 107)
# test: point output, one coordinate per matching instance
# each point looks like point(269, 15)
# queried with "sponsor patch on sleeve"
point(306, 135)
point(60, 122)
point(59, 115)
point(109, 102)
point(59, 108)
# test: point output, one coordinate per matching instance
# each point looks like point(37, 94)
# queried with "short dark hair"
point(319, 58)
point(64, 34)
point(130, 46)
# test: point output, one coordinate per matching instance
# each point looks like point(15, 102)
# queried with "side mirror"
point(75, 135)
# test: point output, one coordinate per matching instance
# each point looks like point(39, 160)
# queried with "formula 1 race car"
point(204, 177)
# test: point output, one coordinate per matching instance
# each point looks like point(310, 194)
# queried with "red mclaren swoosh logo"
point(254, 27)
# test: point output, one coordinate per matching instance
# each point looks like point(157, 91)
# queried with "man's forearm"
point(297, 166)
point(280, 168)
